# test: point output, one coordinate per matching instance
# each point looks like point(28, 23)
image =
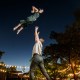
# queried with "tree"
point(67, 47)
point(1, 53)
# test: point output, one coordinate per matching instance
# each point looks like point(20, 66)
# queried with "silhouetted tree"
point(67, 47)
point(1, 53)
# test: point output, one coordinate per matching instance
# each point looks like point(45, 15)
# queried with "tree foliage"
point(67, 47)
point(1, 53)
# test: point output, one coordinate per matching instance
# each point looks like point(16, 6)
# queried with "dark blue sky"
point(18, 48)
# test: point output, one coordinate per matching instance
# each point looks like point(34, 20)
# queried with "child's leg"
point(19, 30)
point(16, 27)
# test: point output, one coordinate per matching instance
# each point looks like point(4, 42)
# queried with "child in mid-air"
point(24, 23)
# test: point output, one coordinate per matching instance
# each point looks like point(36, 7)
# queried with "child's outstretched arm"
point(34, 9)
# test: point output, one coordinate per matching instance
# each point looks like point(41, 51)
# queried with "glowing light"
point(13, 66)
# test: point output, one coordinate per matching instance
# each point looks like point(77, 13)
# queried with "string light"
point(14, 66)
point(1, 70)
point(5, 65)
point(68, 68)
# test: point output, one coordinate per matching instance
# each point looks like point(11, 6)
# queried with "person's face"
point(42, 40)
point(41, 11)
